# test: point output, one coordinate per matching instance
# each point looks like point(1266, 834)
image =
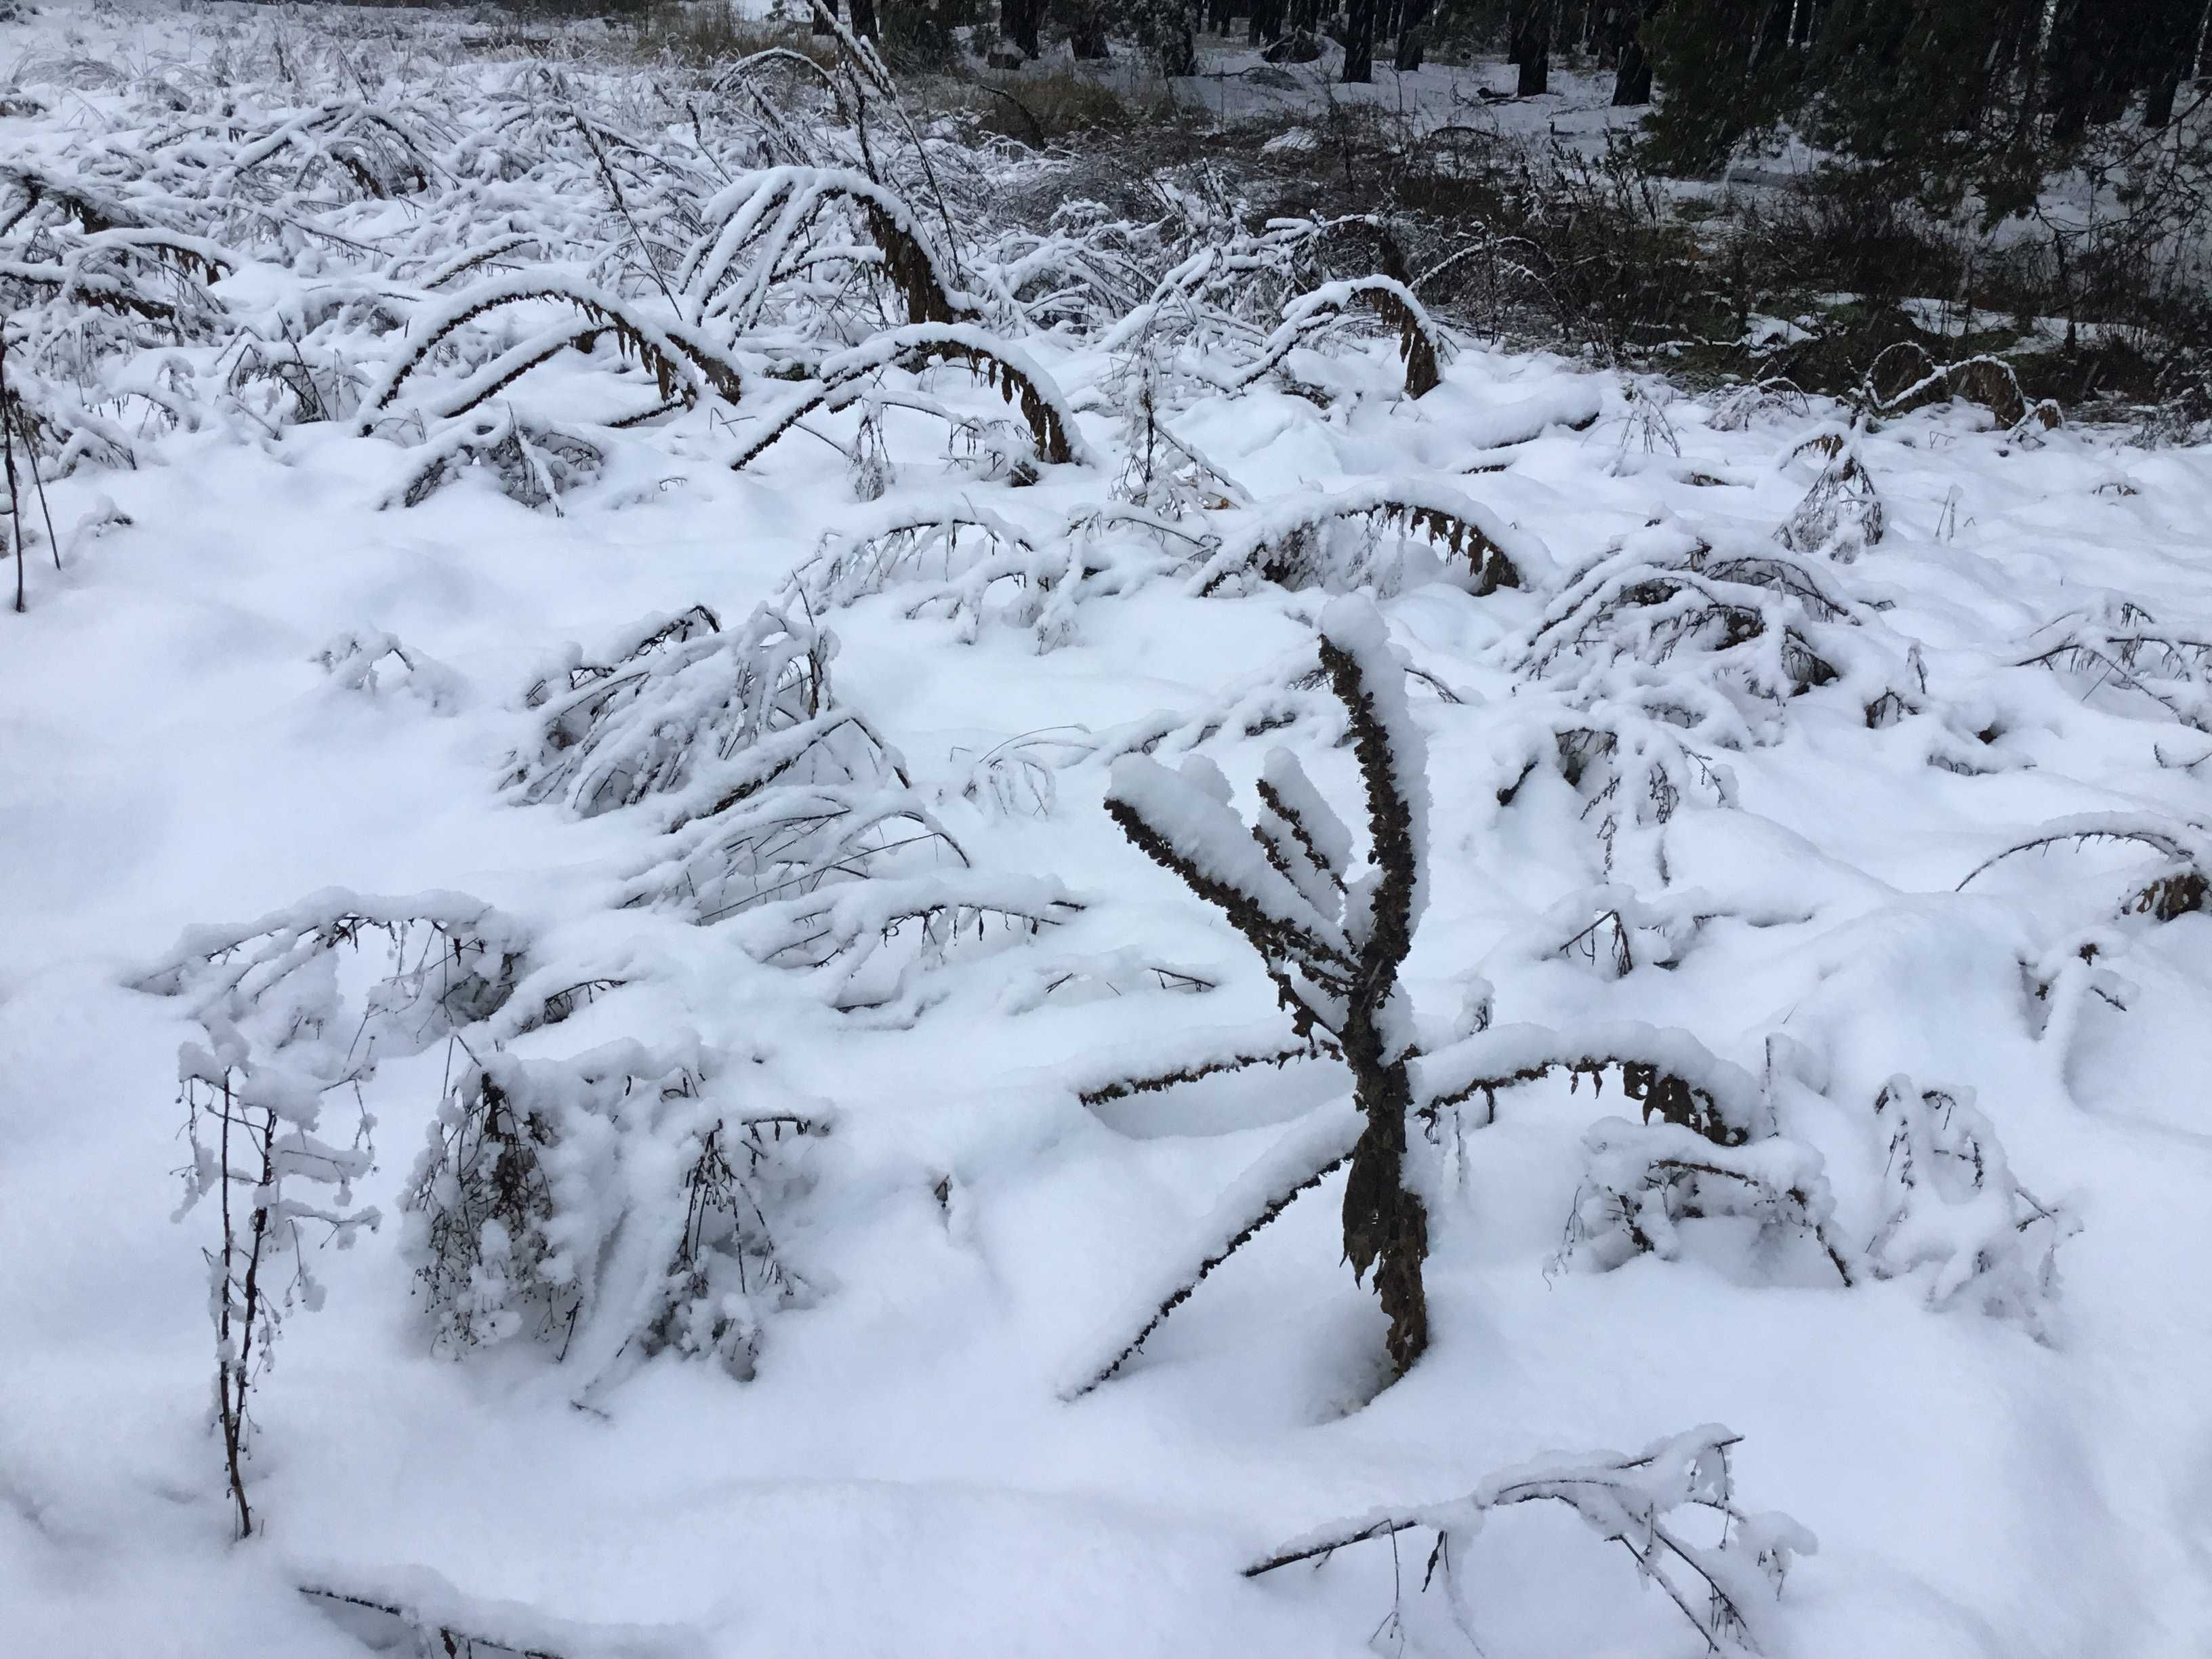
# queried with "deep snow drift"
point(1713, 749)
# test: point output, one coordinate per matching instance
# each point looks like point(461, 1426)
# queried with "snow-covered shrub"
point(1952, 1204)
point(1712, 641)
point(1641, 1180)
point(1725, 1588)
point(763, 787)
point(776, 226)
point(2122, 656)
point(678, 696)
point(1841, 515)
point(374, 664)
point(530, 460)
point(841, 379)
point(1330, 937)
point(283, 1032)
point(957, 560)
point(622, 1197)
point(864, 942)
point(1631, 771)
point(2181, 886)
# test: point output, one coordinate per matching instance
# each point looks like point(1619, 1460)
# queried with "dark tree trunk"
point(2097, 51)
point(1217, 15)
point(1532, 46)
point(1018, 21)
point(1086, 31)
point(1413, 35)
point(1631, 82)
point(864, 19)
point(2169, 56)
point(822, 23)
point(1266, 22)
point(1359, 42)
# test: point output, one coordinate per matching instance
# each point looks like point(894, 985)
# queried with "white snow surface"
point(901, 1474)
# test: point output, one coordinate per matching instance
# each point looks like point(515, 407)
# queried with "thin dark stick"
point(14, 505)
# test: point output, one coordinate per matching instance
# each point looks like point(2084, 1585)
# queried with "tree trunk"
point(1413, 35)
point(1532, 46)
point(822, 23)
point(1359, 42)
point(2169, 56)
point(864, 19)
point(1086, 31)
point(1019, 21)
point(1631, 82)
point(2096, 59)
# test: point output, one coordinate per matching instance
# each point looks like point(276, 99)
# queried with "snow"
point(248, 692)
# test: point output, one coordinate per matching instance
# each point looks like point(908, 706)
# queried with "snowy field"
point(1830, 795)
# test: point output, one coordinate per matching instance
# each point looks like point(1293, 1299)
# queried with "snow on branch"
point(1005, 369)
point(1726, 1590)
point(683, 363)
point(1306, 1154)
point(1674, 1077)
point(438, 1618)
point(772, 217)
point(1285, 541)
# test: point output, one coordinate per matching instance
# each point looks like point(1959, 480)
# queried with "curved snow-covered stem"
point(1628, 1500)
point(2184, 842)
point(1497, 554)
point(1002, 367)
point(1316, 312)
point(770, 214)
point(1675, 1077)
point(681, 360)
point(1319, 1144)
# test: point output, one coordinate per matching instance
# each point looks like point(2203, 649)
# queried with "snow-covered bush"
point(620, 1200)
point(282, 1034)
point(1331, 939)
point(1952, 1204)
point(373, 664)
point(761, 785)
point(2122, 655)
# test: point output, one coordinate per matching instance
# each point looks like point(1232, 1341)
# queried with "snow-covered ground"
point(1695, 792)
